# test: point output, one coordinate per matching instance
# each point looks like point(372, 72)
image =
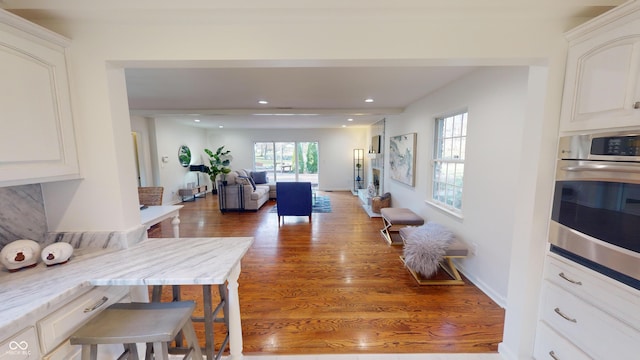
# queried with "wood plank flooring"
point(334, 286)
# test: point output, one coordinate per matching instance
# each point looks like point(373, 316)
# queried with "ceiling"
point(311, 94)
point(298, 97)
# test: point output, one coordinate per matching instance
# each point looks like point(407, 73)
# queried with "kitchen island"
point(30, 294)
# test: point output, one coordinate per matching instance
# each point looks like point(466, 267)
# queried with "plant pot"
point(214, 191)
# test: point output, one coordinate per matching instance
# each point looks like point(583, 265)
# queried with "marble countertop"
point(29, 294)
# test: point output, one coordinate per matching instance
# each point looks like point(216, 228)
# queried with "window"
point(448, 161)
point(287, 161)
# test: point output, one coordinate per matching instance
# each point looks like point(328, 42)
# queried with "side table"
point(193, 193)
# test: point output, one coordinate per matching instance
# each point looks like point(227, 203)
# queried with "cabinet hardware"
point(97, 304)
point(557, 310)
point(636, 105)
point(562, 275)
point(553, 355)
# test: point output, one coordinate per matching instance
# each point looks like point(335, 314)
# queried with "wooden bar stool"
point(131, 323)
point(212, 314)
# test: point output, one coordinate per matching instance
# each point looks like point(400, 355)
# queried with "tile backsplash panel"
point(22, 214)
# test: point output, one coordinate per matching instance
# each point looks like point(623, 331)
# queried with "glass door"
point(307, 162)
point(287, 161)
point(264, 159)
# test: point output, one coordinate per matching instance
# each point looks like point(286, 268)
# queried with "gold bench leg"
point(385, 230)
point(447, 265)
point(391, 236)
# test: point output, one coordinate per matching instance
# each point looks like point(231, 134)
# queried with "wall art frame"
point(402, 159)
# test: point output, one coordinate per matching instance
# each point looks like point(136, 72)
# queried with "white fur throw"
point(425, 246)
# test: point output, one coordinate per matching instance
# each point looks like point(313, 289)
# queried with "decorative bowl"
point(20, 254)
point(56, 253)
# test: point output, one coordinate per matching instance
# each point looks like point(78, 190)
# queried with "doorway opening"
point(287, 161)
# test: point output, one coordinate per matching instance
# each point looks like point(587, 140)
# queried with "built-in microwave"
point(595, 218)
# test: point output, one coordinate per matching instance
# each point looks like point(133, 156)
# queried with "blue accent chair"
point(293, 199)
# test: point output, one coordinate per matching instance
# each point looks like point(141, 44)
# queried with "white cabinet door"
point(587, 327)
point(605, 81)
point(59, 325)
point(37, 139)
point(22, 346)
point(552, 346)
point(602, 82)
point(619, 300)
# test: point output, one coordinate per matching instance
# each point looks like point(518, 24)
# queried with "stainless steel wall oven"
point(595, 218)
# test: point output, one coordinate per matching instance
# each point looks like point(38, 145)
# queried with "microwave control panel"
point(616, 145)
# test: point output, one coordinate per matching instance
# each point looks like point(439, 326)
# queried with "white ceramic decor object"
point(56, 253)
point(20, 254)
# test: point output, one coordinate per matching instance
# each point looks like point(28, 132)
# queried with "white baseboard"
point(501, 301)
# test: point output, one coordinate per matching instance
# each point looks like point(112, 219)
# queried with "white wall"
point(335, 149)
point(160, 138)
point(170, 135)
point(495, 99)
point(145, 135)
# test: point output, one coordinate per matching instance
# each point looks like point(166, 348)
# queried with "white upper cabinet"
point(602, 83)
point(37, 139)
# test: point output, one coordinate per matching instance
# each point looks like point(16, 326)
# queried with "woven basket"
point(379, 202)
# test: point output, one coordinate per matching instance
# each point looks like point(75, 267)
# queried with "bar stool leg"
point(192, 340)
point(131, 351)
point(161, 350)
point(208, 321)
point(222, 289)
point(175, 289)
point(209, 318)
point(89, 352)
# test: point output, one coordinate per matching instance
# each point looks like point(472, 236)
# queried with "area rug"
point(322, 204)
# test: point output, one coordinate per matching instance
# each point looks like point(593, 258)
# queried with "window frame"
point(455, 160)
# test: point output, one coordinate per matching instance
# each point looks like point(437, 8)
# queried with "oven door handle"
point(603, 167)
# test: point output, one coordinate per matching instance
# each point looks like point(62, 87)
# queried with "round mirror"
point(184, 155)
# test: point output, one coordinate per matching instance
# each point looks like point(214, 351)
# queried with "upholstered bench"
point(395, 218)
point(443, 247)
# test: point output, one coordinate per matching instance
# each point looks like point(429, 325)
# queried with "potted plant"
point(219, 164)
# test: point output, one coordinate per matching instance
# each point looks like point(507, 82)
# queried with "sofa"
point(237, 191)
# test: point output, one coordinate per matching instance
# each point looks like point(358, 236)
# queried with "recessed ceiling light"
point(284, 114)
point(349, 119)
point(263, 102)
point(196, 120)
point(344, 125)
point(368, 100)
point(220, 126)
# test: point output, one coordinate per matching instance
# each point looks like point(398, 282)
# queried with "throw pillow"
point(260, 177)
point(253, 183)
point(248, 181)
point(230, 178)
point(425, 246)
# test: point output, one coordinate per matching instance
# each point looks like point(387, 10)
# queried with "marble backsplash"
point(22, 216)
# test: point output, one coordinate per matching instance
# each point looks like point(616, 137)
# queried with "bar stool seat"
point(131, 323)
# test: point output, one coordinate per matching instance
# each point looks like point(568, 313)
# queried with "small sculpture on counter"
point(20, 254)
point(56, 253)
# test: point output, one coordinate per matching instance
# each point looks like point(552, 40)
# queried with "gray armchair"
point(293, 199)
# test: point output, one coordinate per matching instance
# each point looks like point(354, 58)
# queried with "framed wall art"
point(402, 160)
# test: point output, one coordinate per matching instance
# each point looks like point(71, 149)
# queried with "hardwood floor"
point(334, 286)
